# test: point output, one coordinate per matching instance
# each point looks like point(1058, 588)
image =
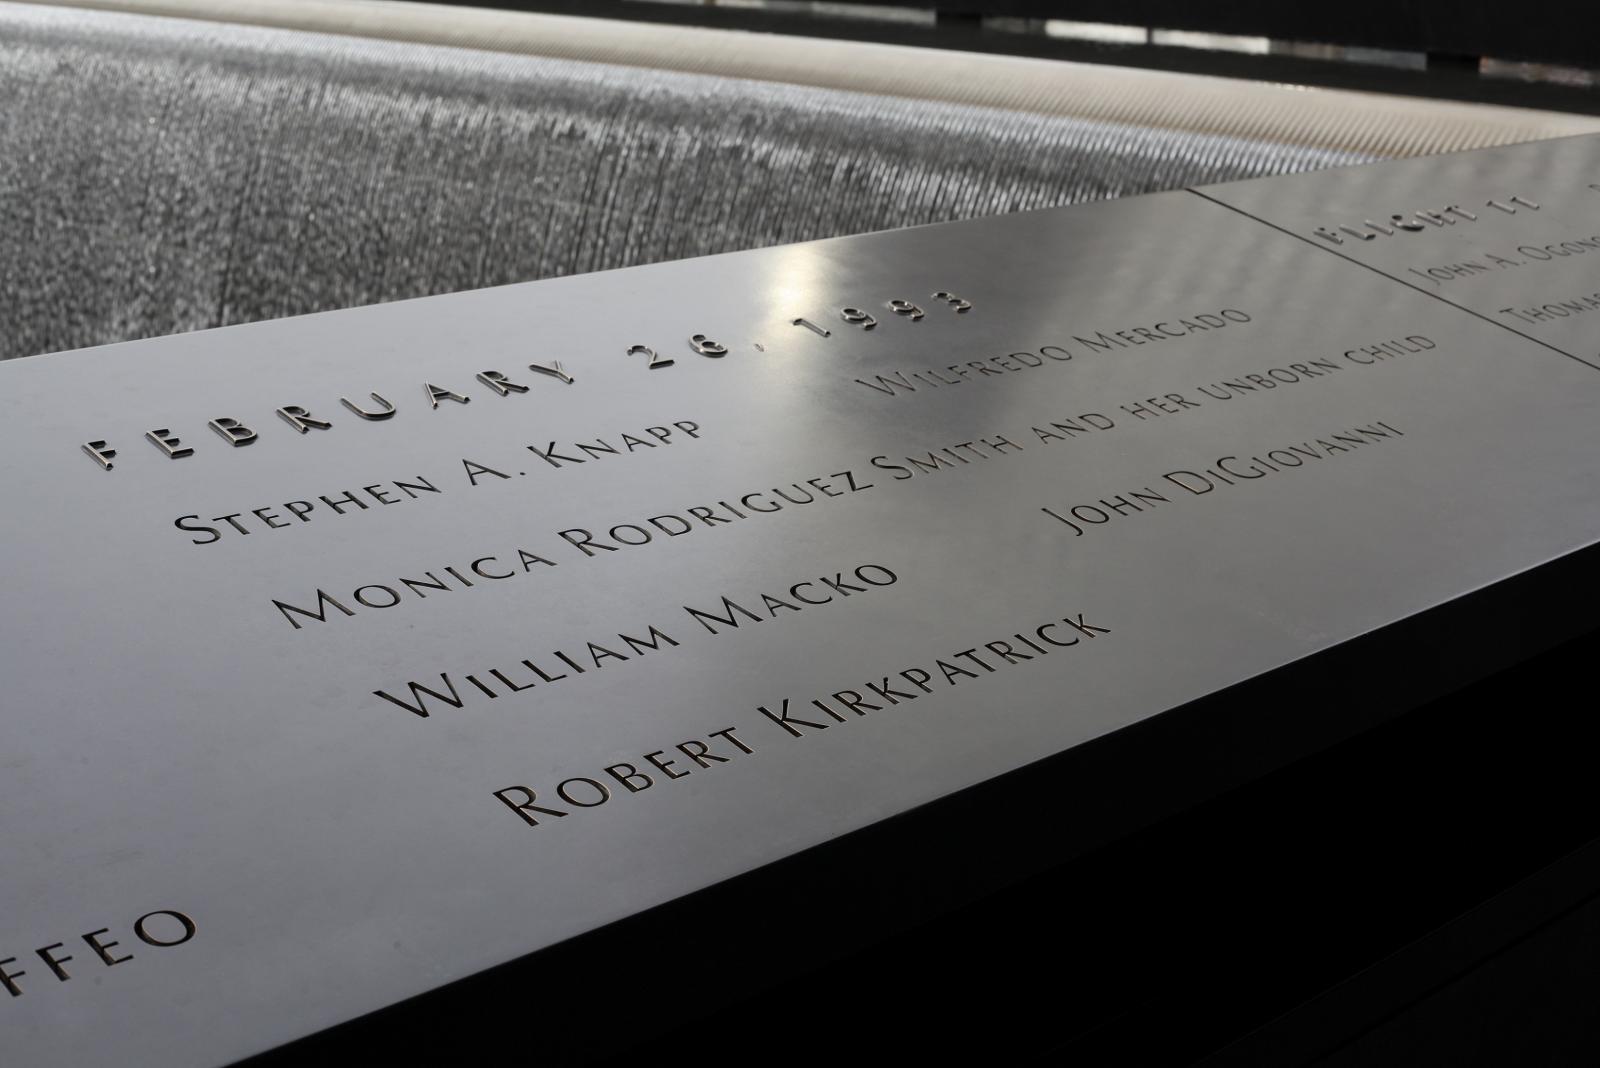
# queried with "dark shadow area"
point(1451, 38)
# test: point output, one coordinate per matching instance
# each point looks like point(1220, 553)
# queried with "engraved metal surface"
point(1509, 234)
point(1130, 454)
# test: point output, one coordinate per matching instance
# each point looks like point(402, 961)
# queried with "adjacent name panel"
point(1512, 233)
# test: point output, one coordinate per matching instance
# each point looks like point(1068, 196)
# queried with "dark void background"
point(1416, 882)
